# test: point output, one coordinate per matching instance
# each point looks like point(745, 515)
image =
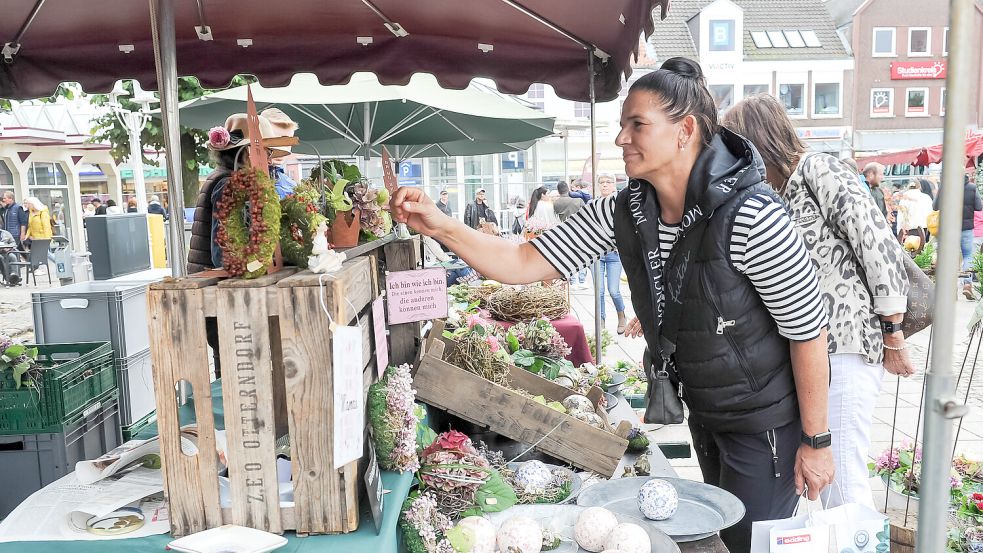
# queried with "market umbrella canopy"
point(417, 119)
point(513, 42)
point(933, 154)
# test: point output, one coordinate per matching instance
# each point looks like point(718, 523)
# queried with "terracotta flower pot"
point(345, 228)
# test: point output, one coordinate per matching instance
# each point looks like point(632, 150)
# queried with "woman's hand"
point(895, 361)
point(814, 470)
point(633, 329)
point(412, 206)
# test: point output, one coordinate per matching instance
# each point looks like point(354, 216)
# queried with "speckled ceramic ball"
point(629, 538)
point(577, 402)
point(533, 476)
point(522, 534)
point(482, 533)
point(658, 499)
point(592, 528)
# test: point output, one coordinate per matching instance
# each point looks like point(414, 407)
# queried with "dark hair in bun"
point(681, 86)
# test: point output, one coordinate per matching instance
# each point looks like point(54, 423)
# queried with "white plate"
point(229, 539)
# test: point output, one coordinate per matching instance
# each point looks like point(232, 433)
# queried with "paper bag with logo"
point(797, 534)
point(856, 528)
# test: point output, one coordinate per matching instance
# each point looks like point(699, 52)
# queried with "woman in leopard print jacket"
point(861, 272)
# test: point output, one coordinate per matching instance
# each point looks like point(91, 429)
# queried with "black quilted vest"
point(200, 249)
point(736, 377)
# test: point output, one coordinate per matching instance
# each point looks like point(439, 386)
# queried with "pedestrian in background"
point(852, 164)
point(155, 208)
point(855, 253)
point(131, 205)
point(874, 175)
point(442, 204)
point(112, 208)
point(478, 213)
point(566, 206)
point(13, 218)
point(611, 266)
point(913, 212)
point(971, 204)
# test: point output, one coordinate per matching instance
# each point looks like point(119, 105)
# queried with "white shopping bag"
point(761, 531)
point(856, 528)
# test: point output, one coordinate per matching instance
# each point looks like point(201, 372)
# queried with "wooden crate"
point(275, 348)
point(515, 416)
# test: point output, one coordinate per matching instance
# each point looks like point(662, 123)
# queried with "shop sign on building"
point(816, 133)
point(907, 70)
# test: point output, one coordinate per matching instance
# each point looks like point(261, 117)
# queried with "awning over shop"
point(97, 42)
point(891, 158)
point(933, 154)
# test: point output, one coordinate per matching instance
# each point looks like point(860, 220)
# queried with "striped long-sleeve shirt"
point(764, 246)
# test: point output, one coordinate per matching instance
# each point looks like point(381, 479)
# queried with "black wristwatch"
point(819, 441)
point(887, 327)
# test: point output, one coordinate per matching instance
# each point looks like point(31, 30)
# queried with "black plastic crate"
point(32, 461)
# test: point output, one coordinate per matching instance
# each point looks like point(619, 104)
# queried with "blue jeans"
point(611, 274)
point(966, 244)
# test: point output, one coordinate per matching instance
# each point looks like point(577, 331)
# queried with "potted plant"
point(900, 469)
point(372, 205)
point(339, 207)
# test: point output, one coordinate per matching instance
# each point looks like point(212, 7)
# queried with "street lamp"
point(134, 122)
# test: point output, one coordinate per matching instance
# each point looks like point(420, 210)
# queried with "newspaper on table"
point(119, 495)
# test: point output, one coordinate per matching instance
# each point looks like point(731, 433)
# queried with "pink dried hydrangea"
point(424, 516)
point(401, 416)
point(218, 137)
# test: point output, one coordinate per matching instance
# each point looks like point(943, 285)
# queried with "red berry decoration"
point(248, 190)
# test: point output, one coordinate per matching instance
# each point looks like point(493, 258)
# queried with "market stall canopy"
point(889, 158)
point(933, 154)
point(514, 42)
point(418, 119)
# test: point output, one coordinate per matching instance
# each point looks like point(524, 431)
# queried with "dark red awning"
point(891, 158)
point(87, 42)
point(933, 154)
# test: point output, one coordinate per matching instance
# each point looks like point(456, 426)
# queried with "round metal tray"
point(561, 519)
point(703, 510)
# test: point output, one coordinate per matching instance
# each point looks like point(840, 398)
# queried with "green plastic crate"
point(130, 431)
point(78, 375)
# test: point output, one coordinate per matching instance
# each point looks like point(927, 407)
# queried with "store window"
point(581, 109)
point(723, 96)
point(945, 41)
point(884, 42)
point(942, 103)
point(6, 177)
point(722, 35)
point(919, 41)
point(916, 102)
point(826, 100)
point(443, 176)
point(752, 89)
point(47, 182)
point(793, 98)
point(537, 95)
point(882, 102)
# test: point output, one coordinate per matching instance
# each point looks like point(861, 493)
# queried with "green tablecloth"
point(364, 540)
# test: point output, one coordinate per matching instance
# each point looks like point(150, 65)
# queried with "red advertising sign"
point(907, 70)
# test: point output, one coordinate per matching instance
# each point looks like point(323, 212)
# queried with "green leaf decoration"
point(19, 371)
point(15, 350)
point(495, 489)
point(513, 343)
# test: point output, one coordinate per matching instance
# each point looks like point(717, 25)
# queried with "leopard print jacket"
point(854, 251)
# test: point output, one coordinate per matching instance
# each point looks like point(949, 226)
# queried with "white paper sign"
point(349, 408)
point(379, 329)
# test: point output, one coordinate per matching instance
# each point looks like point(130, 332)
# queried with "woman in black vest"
point(722, 285)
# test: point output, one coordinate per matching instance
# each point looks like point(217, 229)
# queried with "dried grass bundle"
point(473, 354)
point(525, 304)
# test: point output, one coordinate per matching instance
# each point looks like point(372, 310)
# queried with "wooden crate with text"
point(275, 347)
point(516, 416)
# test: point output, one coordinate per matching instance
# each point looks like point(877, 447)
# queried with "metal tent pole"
point(596, 272)
point(941, 406)
point(165, 57)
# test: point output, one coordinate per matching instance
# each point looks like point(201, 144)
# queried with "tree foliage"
point(64, 90)
point(193, 151)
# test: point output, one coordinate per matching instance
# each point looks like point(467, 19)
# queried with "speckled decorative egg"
point(522, 534)
point(658, 499)
point(590, 418)
point(577, 402)
point(481, 532)
point(564, 381)
point(629, 538)
point(593, 527)
point(533, 476)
